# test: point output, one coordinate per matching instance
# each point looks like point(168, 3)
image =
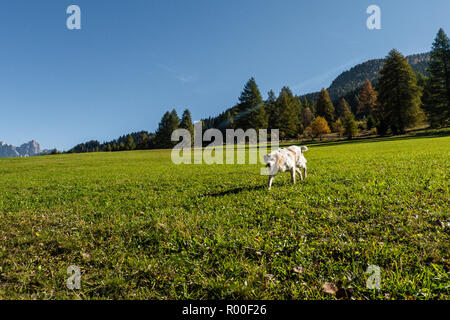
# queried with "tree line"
point(398, 100)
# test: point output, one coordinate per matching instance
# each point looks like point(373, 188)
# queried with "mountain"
point(28, 149)
point(354, 78)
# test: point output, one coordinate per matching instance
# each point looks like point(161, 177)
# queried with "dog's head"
point(270, 160)
point(304, 148)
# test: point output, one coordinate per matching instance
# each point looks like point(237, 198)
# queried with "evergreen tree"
point(259, 118)
point(398, 95)
point(142, 142)
point(286, 114)
point(229, 120)
point(250, 106)
point(350, 125)
point(306, 103)
point(168, 124)
point(342, 108)
point(300, 108)
point(174, 120)
point(270, 109)
point(367, 100)
point(371, 123)
point(162, 134)
point(436, 96)
point(186, 123)
point(130, 145)
point(325, 107)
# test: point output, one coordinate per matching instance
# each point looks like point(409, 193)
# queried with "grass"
point(140, 227)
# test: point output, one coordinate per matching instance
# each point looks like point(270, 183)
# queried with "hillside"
point(354, 78)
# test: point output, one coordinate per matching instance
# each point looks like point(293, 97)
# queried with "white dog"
point(285, 159)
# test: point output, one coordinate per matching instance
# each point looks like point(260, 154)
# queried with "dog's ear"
point(266, 158)
point(304, 148)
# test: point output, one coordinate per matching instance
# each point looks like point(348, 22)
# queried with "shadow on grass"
point(235, 191)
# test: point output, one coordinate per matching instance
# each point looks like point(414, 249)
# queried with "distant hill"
point(353, 79)
point(28, 149)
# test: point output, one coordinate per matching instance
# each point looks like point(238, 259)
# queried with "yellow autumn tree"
point(319, 127)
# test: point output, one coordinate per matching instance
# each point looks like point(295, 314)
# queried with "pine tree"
point(229, 120)
point(271, 109)
point(186, 123)
point(342, 108)
point(130, 145)
point(367, 100)
point(259, 118)
point(174, 120)
point(168, 124)
point(300, 108)
point(371, 122)
point(398, 95)
point(142, 142)
point(286, 113)
point(350, 125)
point(250, 105)
point(325, 107)
point(436, 96)
point(306, 103)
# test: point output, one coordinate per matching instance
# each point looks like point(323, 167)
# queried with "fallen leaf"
point(298, 269)
point(330, 288)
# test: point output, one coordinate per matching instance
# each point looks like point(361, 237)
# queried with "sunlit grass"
point(140, 227)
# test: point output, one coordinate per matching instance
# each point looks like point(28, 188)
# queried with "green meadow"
point(140, 227)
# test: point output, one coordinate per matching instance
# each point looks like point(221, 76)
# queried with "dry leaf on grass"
point(298, 269)
point(330, 288)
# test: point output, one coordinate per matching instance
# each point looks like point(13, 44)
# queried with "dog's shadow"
point(235, 191)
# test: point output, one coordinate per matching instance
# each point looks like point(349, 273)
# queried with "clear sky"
point(133, 60)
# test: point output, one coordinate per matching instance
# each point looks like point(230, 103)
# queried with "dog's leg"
point(304, 170)
point(270, 181)
point(293, 175)
point(299, 173)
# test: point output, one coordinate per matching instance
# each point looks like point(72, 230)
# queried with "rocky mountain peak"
point(28, 149)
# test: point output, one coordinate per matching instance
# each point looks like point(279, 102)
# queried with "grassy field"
point(140, 227)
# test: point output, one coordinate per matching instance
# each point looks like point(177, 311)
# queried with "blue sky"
point(133, 60)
